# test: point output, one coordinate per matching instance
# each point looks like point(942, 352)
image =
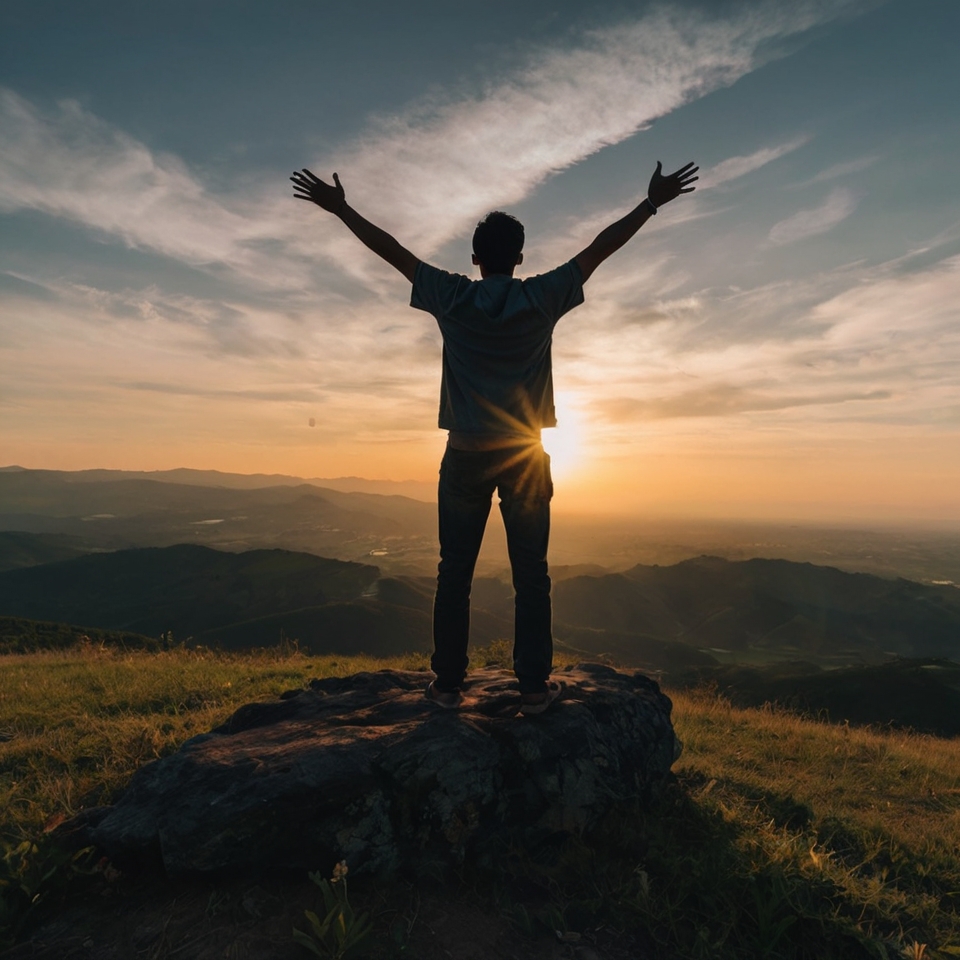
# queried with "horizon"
point(781, 346)
point(425, 492)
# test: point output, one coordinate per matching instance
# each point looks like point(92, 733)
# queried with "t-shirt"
point(497, 376)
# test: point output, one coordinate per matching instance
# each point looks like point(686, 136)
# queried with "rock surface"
point(364, 768)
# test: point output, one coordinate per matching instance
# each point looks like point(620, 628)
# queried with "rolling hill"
point(111, 514)
point(768, 610)
point(187, 588)
point(692, 614)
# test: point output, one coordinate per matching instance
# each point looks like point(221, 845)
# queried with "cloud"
point(735, 167)
point(840, 170)
point(885, 350)
point(720, 400)
point(266, 394)
point(895, 310)
point(76, 166)
point(808, 223)
point(437, 167)
point(429, 171)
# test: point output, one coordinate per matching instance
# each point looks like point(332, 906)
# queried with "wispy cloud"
point(735, 167)
point(74, 165)
point(428, 171)
point(837, 170)
point(438, 166)
point(808, 223)
point(885, 349)
point(721, 400)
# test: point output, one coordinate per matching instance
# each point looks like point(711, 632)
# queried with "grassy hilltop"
point(785, 837)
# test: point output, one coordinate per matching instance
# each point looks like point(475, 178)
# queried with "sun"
point(565, 442)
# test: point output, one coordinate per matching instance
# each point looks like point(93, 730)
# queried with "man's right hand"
point(664, 189)
point(308, 187)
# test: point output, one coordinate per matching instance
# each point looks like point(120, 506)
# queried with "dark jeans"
point(467, 481)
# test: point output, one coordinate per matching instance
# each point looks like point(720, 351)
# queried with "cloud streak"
point(76, 166)
point(721, 400)
point(735, 167)
point(439, 166)
point(428, 171)
point(809, 223)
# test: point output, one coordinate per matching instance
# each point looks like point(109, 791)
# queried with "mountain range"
point(692, 614)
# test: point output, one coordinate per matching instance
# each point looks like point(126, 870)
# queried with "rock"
point(364, 768)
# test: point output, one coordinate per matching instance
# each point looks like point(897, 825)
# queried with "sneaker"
point(448, 699)
point(540, 702)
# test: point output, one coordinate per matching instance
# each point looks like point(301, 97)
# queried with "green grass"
point(859, 827)
point(783, 838)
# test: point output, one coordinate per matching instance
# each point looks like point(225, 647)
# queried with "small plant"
point(29, 874)
point(341, 934)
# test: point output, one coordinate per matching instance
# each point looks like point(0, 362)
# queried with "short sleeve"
point(434, 290)
point(556, 292)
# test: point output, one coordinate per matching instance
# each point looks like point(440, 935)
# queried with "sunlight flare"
point(566, 442)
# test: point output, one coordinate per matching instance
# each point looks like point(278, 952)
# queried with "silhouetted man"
point(496, 395)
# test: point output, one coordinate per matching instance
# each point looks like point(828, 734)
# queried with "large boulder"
point(364, 768)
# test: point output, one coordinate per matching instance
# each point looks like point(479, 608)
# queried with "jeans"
point(467, 481)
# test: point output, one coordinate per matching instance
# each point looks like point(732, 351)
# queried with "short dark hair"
point(497, 242)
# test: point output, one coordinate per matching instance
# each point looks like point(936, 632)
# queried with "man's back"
point(497, 332)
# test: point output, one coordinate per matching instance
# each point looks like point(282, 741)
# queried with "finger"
point(659, 169)
point(688, 190)
point(687, 180)
point(336, 180)
point(684, 168)
point(312, 176)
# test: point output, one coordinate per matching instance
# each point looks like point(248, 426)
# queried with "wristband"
point(653, 209)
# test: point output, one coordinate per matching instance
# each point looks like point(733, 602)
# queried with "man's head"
point(497, 243)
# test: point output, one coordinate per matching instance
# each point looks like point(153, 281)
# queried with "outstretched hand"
point(308, 187)
point(664, 189)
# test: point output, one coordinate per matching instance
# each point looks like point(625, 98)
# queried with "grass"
point(784, 837)
point(863, 822)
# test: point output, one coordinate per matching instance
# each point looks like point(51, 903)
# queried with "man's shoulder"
point(434, 289)
point(427, 272)
point(556, 291)
point(565, 273)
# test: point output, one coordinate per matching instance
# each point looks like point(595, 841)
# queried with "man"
point(496, 395)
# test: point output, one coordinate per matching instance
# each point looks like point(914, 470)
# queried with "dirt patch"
point(245, 920)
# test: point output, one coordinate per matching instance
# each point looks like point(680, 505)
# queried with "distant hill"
point(693, 614)
point(923, 694)
point(19, 549)
point(415, 489)
point(106, 513)
point(768, 610)
point(187, 589)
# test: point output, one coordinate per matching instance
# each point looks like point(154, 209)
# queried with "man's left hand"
point(663, 189)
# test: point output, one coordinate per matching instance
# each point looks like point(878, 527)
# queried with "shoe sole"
point(431, 694)
point(554, 689)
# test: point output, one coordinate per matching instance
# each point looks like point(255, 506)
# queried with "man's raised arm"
point(332, 198)
point(661, 190)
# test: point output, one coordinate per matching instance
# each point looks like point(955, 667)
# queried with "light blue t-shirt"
point(497, 374)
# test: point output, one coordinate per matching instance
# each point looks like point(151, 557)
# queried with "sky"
point(783, 343)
